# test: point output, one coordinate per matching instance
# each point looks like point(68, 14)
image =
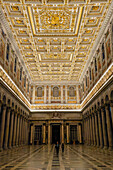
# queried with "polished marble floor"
point(44, 157)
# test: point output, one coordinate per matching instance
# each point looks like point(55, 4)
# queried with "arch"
point(102, 102)
point(98, 103)
point(16, 107)
point(106, 99)
point(4, 99)
point(8, 102)
point(12, 104)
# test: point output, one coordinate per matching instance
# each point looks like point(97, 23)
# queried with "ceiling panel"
point(55, 37)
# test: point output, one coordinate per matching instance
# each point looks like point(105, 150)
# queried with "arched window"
point(103, 52)
point(71, 91)
point(28, 87)
point(90, 73)
point(83, 86)
point(7, 52)
point(25, 81)
point(86, 81)
point(39, 92)
point(15, 65)
point(55, 92)
point(95, 65)
point(21, 73)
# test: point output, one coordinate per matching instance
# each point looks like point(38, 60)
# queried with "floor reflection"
point(39, 157)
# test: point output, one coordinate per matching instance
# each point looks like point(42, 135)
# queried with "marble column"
point(49, 97)
point(17, 136)
point(109, 128)
point(96, 130)
point(49, 132)
point(44, 133)
point(20, 131)
point(61, 94)
point(45, 94)
point(93, 126)
point(87, 131)
point(80, 133)
point(65, 94)
point(7, 128)
point(104, 128)
point(100, 129)
point(2, 127)
point(33, 95)
point(67, 127)
point(14, 132)
point(25, 131)
point(62, 133)
point(83, 128)
point(77, 90)
point(31, 135)
point(11, 129)
point(91, 131)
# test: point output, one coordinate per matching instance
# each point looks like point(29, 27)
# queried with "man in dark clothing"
point(57, 148)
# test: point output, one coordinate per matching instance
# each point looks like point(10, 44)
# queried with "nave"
point(44, 157)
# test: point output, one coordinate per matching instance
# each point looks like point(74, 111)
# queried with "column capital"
point(107, 106)
point(12, 110)
point(95, 112)
point(102, 108)
point(4, 106)
point(98, 109)
point(16, 112)
point(9, 108)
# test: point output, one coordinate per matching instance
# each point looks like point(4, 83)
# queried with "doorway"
point(55, 134)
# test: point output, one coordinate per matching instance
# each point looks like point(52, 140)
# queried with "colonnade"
point(14, 127)
point(98, 127)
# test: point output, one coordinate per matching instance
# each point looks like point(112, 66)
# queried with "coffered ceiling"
point(55, 37)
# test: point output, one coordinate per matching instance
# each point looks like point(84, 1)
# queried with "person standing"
point(57, 148)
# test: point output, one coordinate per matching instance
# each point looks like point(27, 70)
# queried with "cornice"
point(56, 83)
point(102, 82)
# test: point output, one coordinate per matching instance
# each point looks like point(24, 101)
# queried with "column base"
point(97, 146)
point(101, 146)
point(10, 147)
point(110, 148)
point(105, 148)
point(5, 147)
